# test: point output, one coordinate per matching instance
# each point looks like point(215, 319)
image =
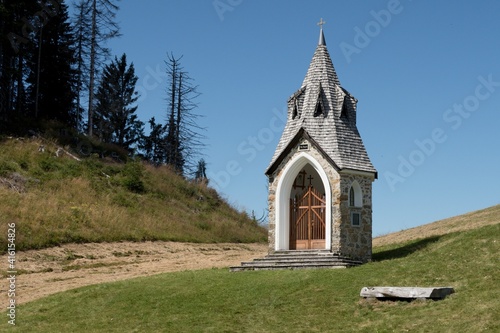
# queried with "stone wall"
point(346, 239)
point(356, 241)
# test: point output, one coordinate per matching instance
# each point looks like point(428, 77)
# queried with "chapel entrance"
point(307, 215)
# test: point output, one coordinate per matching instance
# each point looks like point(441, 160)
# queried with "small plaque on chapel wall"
point(304, 146)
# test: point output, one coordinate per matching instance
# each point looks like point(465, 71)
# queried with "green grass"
point(61, 200)
point(294, 301)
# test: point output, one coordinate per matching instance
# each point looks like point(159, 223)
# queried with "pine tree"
point(201, 172)
point(17, 30)
point(51, 78)
point(153, 145)
point(115, 120)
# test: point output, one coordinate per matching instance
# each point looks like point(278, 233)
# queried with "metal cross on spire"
point(321, 36)
point(321, 23)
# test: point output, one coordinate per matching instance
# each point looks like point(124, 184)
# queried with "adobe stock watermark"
point(363, 37)
point(50, 8)
point(249, 149)
point(11, 273)
point(223, 6)
point(454, 117)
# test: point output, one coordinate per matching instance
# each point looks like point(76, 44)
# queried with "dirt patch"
point(48, 271)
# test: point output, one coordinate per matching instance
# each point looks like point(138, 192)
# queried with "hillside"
point(56, 200)
point(472, 220)
point(299, 301)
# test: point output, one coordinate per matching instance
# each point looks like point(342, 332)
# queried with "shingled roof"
point(326, 112)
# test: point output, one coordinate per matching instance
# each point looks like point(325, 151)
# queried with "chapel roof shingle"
point(333, 125)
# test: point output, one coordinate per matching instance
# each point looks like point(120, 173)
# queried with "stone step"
point(303, 252)
point(297, 260)
point(278, 266)
point(284, 256)
point(305, 256)
point(296, 264)
point(306, 259)
point(312, 257)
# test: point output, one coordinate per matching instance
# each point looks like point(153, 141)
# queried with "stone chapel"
point(320, 177)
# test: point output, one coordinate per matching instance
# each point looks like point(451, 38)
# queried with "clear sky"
point(426, 74)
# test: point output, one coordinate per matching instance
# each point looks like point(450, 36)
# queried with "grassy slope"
point(463, 222)
point(296, 301)
point(62, 200)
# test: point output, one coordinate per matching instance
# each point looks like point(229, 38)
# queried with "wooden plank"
point(406, 292)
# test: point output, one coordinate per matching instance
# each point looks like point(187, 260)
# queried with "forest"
point(59, 80)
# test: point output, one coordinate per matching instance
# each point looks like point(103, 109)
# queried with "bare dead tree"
point(184, 140)
point(82, 50)
point(96, 24)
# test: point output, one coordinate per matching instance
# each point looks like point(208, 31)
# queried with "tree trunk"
point(178, 157)
point(92, 67)
point(38, 71)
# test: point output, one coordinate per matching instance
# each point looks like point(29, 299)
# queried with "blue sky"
point(426, 74)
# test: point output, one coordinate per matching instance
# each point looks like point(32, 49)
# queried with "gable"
point(296, 142)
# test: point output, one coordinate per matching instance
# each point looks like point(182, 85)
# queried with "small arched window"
point(351, 197)
point(355, 195)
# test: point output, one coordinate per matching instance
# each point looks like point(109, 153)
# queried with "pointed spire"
point(322, 40)
point(321, 67)
point(326, 113)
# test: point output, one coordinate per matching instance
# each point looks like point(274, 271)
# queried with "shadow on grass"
point(405, 250)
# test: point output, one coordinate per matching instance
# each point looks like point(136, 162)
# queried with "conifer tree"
point(115, 120)
point(201, 172)
point(51, 79)
point(17, 30)
point(154, 144)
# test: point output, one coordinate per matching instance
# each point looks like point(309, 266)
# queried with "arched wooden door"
point(307, 220)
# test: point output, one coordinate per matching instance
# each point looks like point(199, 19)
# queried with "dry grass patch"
point(469, 221)
point(66, 201)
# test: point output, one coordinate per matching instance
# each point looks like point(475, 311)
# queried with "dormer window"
point(319, 110)
point(344, 112)
point(295, 111)
point(295, 103)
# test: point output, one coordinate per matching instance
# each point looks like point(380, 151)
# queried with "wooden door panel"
point(307, 221)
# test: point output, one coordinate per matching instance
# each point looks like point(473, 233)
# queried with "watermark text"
point(11, 273)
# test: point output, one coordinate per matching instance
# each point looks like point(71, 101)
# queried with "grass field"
point(294, 301)
point(57, 200)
